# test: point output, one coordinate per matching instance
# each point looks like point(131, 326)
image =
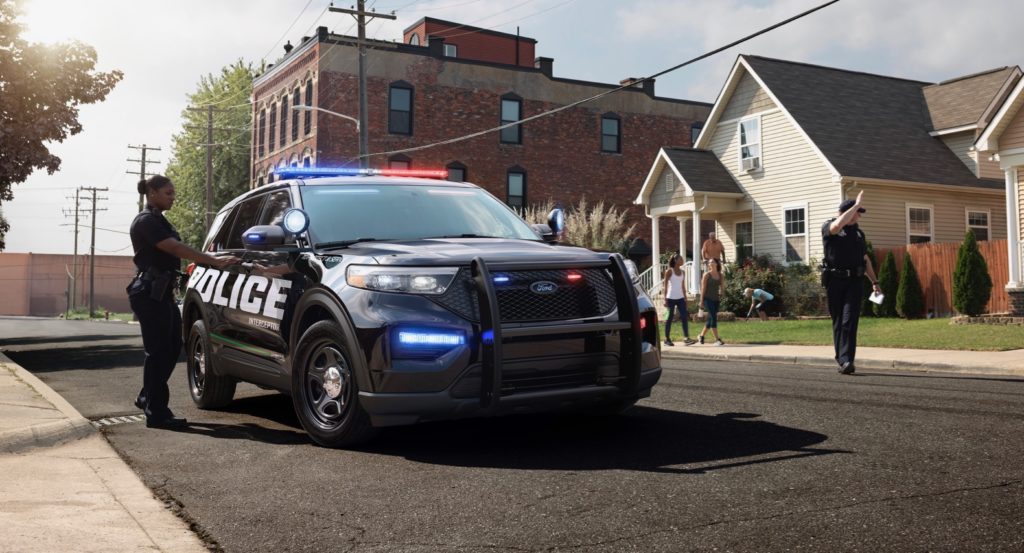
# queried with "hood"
point(461, 251)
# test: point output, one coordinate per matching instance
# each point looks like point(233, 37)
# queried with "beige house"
point(786, 142)
point(1003, 140)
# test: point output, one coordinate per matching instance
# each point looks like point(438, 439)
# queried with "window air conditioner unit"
point(751, 163)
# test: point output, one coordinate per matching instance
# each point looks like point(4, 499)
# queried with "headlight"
point(634, 273)
point(409, 280)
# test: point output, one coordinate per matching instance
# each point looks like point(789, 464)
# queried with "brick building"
point(447, 80)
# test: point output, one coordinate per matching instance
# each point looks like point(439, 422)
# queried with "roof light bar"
point(313, 172)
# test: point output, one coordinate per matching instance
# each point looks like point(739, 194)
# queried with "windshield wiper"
point(341, 243)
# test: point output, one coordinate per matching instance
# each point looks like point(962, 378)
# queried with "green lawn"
point(889, 333)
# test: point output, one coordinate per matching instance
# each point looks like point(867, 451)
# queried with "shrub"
point(909, 296)
point(887, 281)
point(866, 307)
point(596, 227)
point(972, 285)
point(803, 292)
point(759, 272)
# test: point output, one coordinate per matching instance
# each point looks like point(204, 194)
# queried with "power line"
point(142, 167)
point(606, 93)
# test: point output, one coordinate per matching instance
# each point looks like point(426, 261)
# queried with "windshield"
point(405, 212)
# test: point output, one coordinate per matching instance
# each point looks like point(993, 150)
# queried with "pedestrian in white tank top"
point(675, 297)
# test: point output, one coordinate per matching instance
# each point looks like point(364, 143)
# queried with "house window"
point(978, 221)
point(306, 161)
point(262, 132)
point(273, 127)
point(296, 100)
point(400, 108)
point(750, 144)
point(284, 119)
point(610, 133)
point(744, 240)
point(308, 115)
point(456, 172)
point(399, 162)
point(919, 224)
point(795, 227)
point(451, 51)
point(511, 111)
point(695, 132)
point(414, 39)
point(516, 195)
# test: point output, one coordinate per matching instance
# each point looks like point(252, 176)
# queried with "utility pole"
point(92, 248)
point(74, 259)
point(209, 109)
point(360, 14)
point(141, 172)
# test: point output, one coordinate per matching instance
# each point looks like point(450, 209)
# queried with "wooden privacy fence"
point(935, 264)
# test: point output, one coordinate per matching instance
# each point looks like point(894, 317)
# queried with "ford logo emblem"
point(543, 287)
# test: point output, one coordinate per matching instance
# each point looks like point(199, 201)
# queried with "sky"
point(164, 47)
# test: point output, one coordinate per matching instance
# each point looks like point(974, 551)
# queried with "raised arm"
point(846, 217)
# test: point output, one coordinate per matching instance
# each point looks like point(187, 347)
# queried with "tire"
point(325, 388)
point(208, 389)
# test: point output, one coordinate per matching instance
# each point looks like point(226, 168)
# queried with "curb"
point(74, 426)
point(829, 363)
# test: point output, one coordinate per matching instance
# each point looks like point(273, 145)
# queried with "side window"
point(221, 223)
point(244, 217)
point(273, 210)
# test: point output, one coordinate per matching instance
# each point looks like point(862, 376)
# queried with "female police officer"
point(846, 262)
point(158, 253)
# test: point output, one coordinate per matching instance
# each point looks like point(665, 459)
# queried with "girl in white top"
point(675, 297)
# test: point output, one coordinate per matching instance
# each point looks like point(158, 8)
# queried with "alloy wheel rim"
point(327, 386)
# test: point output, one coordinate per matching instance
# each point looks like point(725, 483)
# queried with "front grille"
point(591, 296)
point(523, 381)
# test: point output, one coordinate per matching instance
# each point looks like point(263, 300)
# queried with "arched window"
point(414, 39)
point(296, 101)
point(284, 118)
point(456, 171)
point(262, 133)
point(273, 127)
point(308, 115)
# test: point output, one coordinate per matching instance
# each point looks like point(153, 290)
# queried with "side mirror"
point(544, 232)
point(263, 238)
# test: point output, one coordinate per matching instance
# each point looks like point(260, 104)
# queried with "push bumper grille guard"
point(628, 324)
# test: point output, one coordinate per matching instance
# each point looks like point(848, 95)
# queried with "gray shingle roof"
point(702, 170)
point(867, 126)
point(962, 101)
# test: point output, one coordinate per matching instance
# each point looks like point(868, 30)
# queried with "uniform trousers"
point(844, 301)
point(161, 338)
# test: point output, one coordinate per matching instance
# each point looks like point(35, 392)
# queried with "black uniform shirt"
point(846, 249)
point(149, 228)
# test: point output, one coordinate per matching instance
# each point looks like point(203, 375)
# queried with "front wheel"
point(208, 389)
point(325, 388)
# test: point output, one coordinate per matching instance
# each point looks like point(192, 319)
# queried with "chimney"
point(646, 85)
point(288, 47)
point(546, 66)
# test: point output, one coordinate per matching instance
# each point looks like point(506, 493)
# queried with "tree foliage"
point(41, 89)
point(909, 295)
point(972, 284)
point(231, 166)
point(887, 281)
point(597, 227)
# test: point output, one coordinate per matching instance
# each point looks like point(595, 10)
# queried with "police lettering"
point(251, 293)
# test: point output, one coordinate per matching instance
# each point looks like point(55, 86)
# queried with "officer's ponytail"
point(152, 184)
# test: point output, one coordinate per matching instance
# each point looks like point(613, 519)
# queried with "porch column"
point(655, 249)
point(1012, 228)
point(682, 236)
point(697, 262)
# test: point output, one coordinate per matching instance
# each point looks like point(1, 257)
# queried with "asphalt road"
point(724, 456)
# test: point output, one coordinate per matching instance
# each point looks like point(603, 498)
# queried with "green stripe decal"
point(255, 350)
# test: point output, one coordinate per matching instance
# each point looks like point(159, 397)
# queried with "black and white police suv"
point(377, 300)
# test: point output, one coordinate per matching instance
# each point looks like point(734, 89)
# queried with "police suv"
point(381, 297)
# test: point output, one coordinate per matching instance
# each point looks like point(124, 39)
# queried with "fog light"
point(430, 339)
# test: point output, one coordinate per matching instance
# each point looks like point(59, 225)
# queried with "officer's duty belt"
point(847, 273)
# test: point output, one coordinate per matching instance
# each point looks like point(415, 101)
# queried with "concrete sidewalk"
point(64, 488)
point(1006, 363)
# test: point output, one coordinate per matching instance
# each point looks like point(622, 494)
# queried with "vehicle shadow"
point(645, 439)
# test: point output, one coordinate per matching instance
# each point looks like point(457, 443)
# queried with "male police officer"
point(846, 261)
